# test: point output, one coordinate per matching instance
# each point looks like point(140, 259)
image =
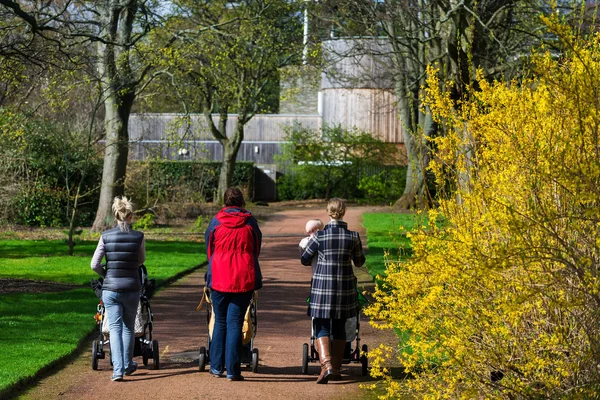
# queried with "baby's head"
point(313, 225)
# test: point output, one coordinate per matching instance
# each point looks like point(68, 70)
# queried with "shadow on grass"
point(378, 258)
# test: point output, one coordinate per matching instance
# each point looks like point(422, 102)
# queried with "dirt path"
point(282, 329)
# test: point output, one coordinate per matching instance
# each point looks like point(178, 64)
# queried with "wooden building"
point(356, 90)
point(172, 137)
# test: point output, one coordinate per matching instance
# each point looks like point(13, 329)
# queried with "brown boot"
point(338, 347)
point(322, 345)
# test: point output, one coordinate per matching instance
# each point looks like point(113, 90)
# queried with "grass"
point(37, 330)
point(386, 233)
point(48, 260)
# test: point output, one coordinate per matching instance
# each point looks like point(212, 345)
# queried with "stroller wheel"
point(202, 359)
point(146, 353)
point(305, 358)
point(155, 354)
point(95, 355)
point(254, 360)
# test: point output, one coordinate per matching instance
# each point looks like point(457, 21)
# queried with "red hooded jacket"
point(233, 242)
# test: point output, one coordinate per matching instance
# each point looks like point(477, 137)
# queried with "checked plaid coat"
point(333, 288)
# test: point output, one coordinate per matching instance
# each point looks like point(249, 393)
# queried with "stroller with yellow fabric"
point(249, 354)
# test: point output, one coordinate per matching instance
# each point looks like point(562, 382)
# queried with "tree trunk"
point(118, 85)
point(231, 147)
point(415, 177)
point(115, 162)
point(227, 167)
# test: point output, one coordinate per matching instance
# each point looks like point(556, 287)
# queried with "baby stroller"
point(249, 354)
point(144, 345)
point(353, 353)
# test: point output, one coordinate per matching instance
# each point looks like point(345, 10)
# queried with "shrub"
point(376, 183)
point(41, 165)
point(198, 224)
point(504, 301)
point(145, 221)
point(41, 206)
point(161, 181)
point(385, 186)
point(329, 162)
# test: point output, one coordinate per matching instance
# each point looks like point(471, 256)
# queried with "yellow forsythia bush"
point(501, 299)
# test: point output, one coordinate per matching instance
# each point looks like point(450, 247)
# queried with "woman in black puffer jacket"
point(124, 250)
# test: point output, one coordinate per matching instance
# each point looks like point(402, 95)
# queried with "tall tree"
point(231, 68)
point(458, 36)
point(116, 28)
point(123, 65)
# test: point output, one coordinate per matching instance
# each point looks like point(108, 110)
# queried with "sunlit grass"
point(386, 233)
point(49, 260)
point(39, 329)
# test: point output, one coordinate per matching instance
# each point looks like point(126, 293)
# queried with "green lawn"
point(49, 260)
point(38, 329)
point(386, 233)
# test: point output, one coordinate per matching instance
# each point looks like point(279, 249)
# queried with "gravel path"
point(282, 329)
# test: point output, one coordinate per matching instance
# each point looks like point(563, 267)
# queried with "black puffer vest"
point(122, 260)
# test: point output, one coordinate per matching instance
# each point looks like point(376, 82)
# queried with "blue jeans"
point(330, 327)
point(121, 308)
point(226, 342)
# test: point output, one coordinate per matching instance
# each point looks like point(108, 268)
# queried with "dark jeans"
point(330, 327)
point(226, 343)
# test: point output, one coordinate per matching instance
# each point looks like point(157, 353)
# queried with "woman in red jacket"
point(233, 242)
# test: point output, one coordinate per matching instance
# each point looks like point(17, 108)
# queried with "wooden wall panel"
point(371, 110)
point(207, 151)
point(264, 127)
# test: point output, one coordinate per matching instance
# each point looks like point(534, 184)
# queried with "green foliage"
point(149, 182)
point(233, 67)
point(146, 221)
point(41, 206)
point(213, 69)
point(198, 224)
point(333, 162)
point(386, 186)
point(41, 165)
point(300, 183)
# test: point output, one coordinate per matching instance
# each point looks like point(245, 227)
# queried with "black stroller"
point(249, 354)
point(353, 353)
point(144, 346)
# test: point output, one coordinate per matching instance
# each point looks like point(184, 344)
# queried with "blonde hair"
point(123, 209)
point(336, 208)
point(313, 225)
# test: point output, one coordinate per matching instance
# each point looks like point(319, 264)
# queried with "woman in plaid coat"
point(333, 296)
